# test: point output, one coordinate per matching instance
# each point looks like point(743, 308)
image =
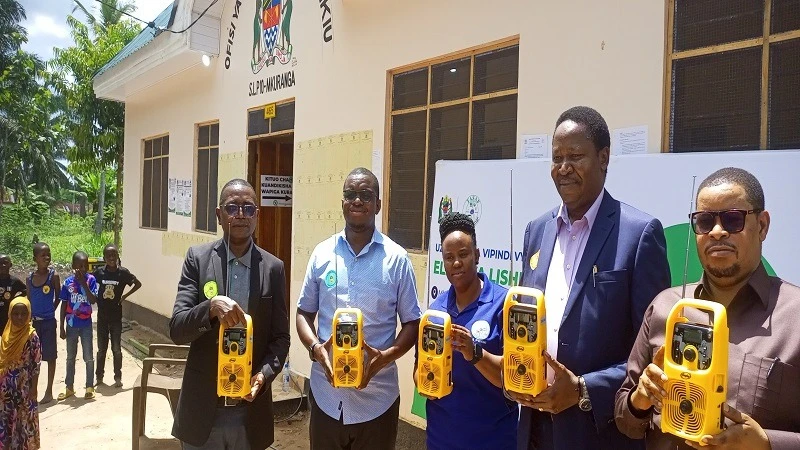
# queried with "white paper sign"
point(187, 189)
point(179, 193)
point(536, 146)
point(276, 190)
point(172, 195)
point(629, 141)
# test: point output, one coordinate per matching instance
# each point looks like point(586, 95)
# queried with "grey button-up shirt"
point(239, 277)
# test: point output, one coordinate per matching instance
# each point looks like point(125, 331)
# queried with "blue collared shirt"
point(475, 415)
point(380, 282)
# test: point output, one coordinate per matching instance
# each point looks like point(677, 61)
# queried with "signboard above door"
point(276, 190)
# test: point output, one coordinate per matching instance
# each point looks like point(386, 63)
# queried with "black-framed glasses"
point(366, 196)
point(246, 209)
point(732, 220)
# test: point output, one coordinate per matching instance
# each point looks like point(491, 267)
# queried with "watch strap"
point(311, 350)
point(477, 354)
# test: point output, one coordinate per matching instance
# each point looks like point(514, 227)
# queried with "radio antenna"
point(228, 260)
point(511, 281)
point(428, 272)
point(688, 238)
point(336, 264)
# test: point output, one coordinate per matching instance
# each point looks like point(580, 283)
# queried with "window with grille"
point(258, 124)
point(205, 218)
point(732, 73)
point(464, 107)
point(155, 173)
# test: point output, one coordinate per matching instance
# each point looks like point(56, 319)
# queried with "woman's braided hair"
point(457, 222)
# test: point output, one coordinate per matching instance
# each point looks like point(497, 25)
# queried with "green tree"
point(12, 34)
point(30, 136)
point(111, 12)
point(94, 126)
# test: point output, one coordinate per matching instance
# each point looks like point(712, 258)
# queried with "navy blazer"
point(601, 318)
point(190, 324)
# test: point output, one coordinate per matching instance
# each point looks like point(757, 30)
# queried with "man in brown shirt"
point(763, 407)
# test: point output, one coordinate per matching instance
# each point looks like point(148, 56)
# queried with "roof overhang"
point(166, 54)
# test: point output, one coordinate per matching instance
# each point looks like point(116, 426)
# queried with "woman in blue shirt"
point(475, 415)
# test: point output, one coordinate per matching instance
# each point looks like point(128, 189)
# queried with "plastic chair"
point(152, 382)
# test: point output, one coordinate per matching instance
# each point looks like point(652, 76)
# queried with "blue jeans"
point(85, 335)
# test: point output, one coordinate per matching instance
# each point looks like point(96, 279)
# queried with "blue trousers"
point(85, 336)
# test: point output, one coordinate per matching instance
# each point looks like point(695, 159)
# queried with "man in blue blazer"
point(600, 263)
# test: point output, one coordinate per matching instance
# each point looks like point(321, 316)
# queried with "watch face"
point(585, 404)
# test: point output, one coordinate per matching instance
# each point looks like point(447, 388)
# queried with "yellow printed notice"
point(269, 111)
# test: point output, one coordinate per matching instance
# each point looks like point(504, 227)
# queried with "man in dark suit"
point(220, 281)
point(600, 263)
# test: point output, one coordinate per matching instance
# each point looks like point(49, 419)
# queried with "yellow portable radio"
point(696, 365)
point(435, 359)
point(524, 342)
point(348, 349)
point(235, 359)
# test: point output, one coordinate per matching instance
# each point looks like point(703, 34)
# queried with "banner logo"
point(445, 206)
point(271, 42)
point(472, 208)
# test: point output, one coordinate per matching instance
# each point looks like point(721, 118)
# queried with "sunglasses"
point(246, 209)
point(732, 220)
point(365, 196)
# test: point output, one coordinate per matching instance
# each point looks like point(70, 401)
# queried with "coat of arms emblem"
point(271, 43)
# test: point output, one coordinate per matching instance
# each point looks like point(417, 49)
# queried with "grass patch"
point(64, 234)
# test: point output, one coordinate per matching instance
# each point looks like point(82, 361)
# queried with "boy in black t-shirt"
point(10, 287)
point(111, 281)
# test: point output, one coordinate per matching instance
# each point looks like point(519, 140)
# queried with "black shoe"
point(99, 381)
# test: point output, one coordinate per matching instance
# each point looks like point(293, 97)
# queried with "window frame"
point(212, 201)
point(763, 41)
point(142, 160)
point(428, 64)
point(269, 132)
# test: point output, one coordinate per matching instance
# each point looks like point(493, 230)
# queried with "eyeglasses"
point(246, 209)
point(732, 220)
point(365, 196)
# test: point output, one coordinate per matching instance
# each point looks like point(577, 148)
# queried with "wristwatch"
point(311, 350)
point(477, 354)
point(583, 402)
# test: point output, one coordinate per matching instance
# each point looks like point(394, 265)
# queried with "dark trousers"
point(328, 433)
point(106, 328)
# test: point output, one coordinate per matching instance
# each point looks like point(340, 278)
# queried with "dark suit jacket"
point(190, 324)
point(601, 318)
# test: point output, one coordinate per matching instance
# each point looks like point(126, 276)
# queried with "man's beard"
point(725, 272)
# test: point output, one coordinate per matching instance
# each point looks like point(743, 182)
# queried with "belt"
point(230, 401)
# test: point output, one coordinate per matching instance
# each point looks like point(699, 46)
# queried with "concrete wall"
point(606, 55)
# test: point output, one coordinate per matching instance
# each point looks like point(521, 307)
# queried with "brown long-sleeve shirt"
point(763, 360)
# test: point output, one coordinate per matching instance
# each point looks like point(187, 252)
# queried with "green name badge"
point(210, 289)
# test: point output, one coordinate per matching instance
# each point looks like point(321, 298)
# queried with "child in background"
point(20, 354)
point(43, 284)
point(10, 287)
point(78, 294)
point(112, 280)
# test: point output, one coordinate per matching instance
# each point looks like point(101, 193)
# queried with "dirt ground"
point(105, 421)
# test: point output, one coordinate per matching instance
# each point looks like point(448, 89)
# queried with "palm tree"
point(12, 33)
point(111, 12)
point(95, 126)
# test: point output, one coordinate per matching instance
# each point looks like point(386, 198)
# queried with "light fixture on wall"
point(206, 60)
